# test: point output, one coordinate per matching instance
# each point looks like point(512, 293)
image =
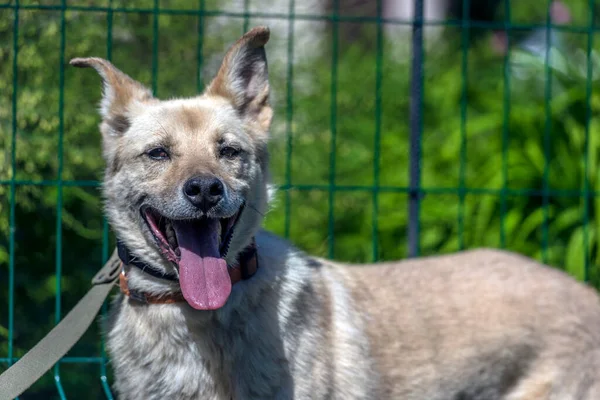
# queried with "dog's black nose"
point(204, 192)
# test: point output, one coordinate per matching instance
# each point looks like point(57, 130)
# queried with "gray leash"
point(62, 337)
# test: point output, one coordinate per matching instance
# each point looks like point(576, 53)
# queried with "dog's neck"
point(245, 267)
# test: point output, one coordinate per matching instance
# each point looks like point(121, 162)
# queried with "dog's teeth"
point(170, 233)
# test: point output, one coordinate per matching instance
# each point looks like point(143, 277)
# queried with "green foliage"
point(502, 135)
point(502, 166)
point(504, 160)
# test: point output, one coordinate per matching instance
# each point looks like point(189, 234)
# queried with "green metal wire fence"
point(414, 190)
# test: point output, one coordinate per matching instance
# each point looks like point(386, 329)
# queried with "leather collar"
point(245, 268)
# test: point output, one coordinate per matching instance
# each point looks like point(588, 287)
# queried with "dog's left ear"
point(122, 96)
point(243, 78)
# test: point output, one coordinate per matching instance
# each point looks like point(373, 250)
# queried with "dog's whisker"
point(255, 209)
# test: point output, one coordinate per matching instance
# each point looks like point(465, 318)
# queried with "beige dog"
point(214, 308)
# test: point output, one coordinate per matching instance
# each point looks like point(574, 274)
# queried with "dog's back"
point(482, 324)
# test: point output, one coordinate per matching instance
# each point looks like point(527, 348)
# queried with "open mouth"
point(198, 247)
point(164, 231)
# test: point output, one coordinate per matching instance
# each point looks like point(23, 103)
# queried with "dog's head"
point(185, 182)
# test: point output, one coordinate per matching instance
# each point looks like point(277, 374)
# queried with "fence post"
point(416, 118)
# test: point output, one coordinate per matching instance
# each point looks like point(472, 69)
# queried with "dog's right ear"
point(122, 96)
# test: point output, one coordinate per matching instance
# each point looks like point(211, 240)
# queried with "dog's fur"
point(481, 324)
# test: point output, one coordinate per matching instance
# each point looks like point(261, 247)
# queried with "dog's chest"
point(156, 353)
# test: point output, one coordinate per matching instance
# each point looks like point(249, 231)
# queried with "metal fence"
point(95, 362)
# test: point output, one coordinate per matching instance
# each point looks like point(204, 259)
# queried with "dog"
point(213, 307)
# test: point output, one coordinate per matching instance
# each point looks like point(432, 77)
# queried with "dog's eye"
point(229, 152)
point(158, 154)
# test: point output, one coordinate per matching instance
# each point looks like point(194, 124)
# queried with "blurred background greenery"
point(510, 139)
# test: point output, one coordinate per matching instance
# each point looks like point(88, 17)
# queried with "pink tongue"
point(203, 275)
